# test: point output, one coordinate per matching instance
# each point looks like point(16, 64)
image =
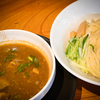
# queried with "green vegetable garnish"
point(5, 59)
point(11, 56)
point(33, 60)
point(84, 40)
point(76, 50)
point(2, 73)
point(72, 49)
point(68, 50)
point(26, 64)
point(20, 70)
point(30, 58)
point(21, 67)
point(26, 74)
point(92, 47)
point(36, 63)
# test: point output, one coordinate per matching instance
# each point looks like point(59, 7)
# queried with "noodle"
point(84, 47)
point(93, 58)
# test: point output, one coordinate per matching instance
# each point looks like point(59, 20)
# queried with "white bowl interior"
point(38, 41)
point(68, 20)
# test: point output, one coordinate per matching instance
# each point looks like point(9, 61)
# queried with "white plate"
point(66, 21)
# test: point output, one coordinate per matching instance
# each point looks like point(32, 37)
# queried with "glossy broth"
point(24, 71)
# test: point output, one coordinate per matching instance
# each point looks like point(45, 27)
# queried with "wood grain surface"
point(37, 16)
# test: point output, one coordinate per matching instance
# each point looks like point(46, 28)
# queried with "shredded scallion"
point(5, 59)
point(26, 74)
point(92, 47)
point(30, 58)
point(2, 73)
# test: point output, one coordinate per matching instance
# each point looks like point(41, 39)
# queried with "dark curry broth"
point(24, 71)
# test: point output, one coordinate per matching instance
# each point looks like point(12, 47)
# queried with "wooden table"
point(37, 16)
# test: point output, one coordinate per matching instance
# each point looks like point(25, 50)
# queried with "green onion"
point(92, 47)
point(36, 63)
point(68, 50)
point(74, 40)
point(11, 56)
point(31, 62)
point(34, 60)
point(26, 64)
point(84, 40)
point(20, 70)
point(2, 73)
point(21, 67)
point(5, 59)
point(30, 58)
point(26, 74)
